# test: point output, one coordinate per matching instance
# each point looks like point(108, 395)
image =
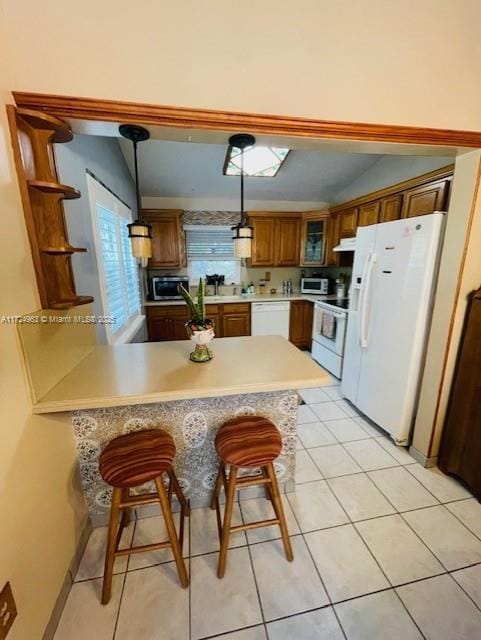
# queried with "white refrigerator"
point(393, 281)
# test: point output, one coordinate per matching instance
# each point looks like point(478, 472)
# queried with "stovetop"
point(340, 304)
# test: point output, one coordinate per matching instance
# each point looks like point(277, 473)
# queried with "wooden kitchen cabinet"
point(333, 237)
point(277, 239)
point(368, 214)
point(425, 199)
point(168, 242)
point(390, 208)
point(213, 312)
point(314, 238)
point(263, 244)
point(167, 322)
point(287, 241)
point(348, 222)
point(300, 323)
point(236, 319)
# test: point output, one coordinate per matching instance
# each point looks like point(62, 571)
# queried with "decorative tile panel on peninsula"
point(193, 425)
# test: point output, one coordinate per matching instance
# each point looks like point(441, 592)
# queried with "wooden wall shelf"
point(66, 192)
point(62, 251)
point(74, 302)
point(33, 134)
point(39, 120)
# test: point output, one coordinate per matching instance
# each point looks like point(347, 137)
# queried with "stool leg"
point(279, 509)
point(178, 492)
point(111, 544)
point(229, 505)
point(218, 486)
point(169, 523)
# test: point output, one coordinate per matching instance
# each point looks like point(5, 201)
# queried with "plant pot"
point(202, 338)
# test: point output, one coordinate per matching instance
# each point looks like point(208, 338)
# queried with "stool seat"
point(248, 441)
point(135, 458)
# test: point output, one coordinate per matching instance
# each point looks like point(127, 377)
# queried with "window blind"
point(209, 242)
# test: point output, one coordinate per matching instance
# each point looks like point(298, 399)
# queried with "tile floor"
point(383, 549)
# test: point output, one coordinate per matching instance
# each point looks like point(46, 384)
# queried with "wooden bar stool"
point(127, 462)
point(247, 442)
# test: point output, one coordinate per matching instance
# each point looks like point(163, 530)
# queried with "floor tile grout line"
point(427, 489)
point(318, 572)
point(463, 589)
point(121, 599)
point(253, 570)
point(376, 469)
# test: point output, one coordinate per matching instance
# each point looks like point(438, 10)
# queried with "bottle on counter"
point(341, 286)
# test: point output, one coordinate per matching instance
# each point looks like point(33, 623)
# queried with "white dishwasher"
point(270, 318)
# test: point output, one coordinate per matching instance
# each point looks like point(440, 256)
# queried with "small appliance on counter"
point(167, 287)
point(315, 285)
point(215, 280)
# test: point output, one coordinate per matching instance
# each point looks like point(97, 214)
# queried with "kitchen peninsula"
point(115, 390)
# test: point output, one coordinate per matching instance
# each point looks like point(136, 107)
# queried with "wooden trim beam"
point(180, 117)
point(436, 174)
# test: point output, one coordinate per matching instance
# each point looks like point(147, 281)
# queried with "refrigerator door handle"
point(364, 303)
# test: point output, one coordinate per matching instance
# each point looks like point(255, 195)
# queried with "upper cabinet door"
point(390, 208)
point(425, 199)
point(348, 222)
point(313, 242)
point(287, 241)
point(168, 245)
point(264, 241)
point(333, 236)
point(368, 214)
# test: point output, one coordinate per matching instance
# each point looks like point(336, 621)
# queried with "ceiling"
point(172, 169)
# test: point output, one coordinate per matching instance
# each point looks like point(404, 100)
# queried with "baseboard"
point(58, 608)
point(422, 459)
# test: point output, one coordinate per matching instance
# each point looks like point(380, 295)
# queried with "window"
point(210, 250)
point(118, 271)
point(259, 162)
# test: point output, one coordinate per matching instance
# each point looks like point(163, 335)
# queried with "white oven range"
point(329, 334)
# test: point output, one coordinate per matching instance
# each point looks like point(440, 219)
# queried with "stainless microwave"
point(319, 286)
point(167, 287)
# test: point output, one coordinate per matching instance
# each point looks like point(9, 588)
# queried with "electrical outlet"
point(8, 610)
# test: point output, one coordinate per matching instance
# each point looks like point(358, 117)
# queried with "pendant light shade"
point(243, 233)
point(140, 232)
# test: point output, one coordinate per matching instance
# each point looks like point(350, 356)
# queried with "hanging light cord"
point(242, 189)
point(137, 191)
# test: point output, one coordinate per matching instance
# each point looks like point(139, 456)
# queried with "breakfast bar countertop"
point(150, 372)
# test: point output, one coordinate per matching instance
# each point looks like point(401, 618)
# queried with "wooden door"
point(287, 241)
point(263, 244)
point(348, 222)
point(460, 451)
point(333, 230)
point(368, 214)
point(300, 323)
point(177, 321)
point(390, 208)
point(425, 199)
point(168, 251)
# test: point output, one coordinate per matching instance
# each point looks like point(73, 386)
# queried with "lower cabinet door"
point(159, 328)
point(300, 323)
point(236, 325)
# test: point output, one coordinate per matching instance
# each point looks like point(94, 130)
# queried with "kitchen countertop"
point(255, 297)
point(151, 372)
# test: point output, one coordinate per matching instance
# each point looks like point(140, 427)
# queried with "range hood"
point(346, 244)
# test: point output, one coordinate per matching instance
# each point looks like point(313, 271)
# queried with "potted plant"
point(199, 328)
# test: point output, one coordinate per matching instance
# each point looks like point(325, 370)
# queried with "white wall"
point(387, 171)
point(41, 501)
point(415, 62)
point(228, 204)
point(103, 157)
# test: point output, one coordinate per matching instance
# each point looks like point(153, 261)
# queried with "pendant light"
point(243, 233)
point(140, 232)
